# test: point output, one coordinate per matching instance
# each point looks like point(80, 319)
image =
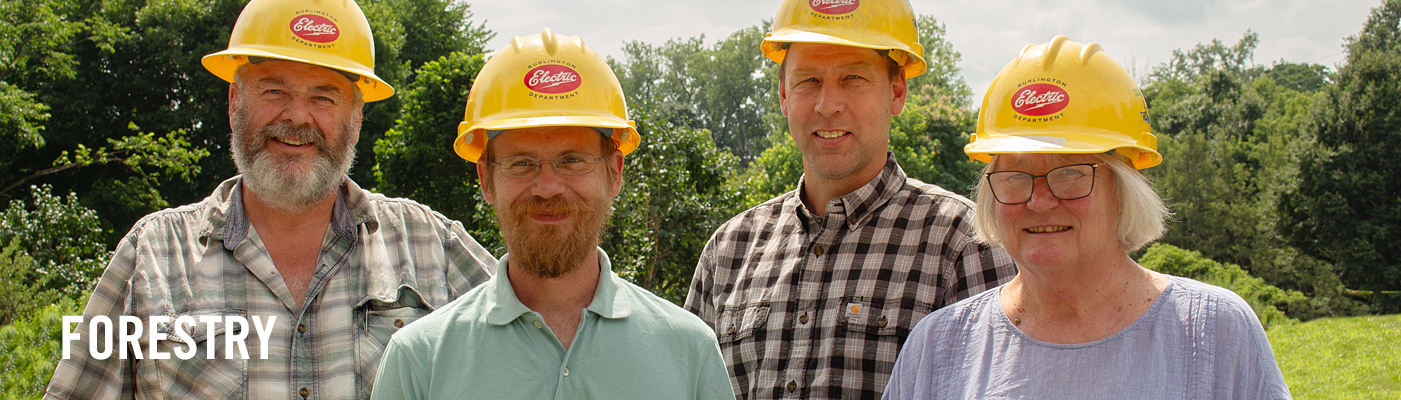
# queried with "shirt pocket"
point(201, 376)
point(379, 318)
point(735, 328)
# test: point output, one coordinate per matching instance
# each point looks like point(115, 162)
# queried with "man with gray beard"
point(555, 321)
point(292, 243)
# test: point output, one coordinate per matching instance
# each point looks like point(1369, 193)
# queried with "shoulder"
point(765, 213)
point(960, 318)
point(656, 313)
point(916, 192)
point(1211, 301)
point(395, 209)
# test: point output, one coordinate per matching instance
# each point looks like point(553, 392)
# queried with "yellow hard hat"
point(328, 33)
point(869, 24)
point(544, 80)
point(1064, 97)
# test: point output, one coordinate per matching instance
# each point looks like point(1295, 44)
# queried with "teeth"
point(1047, 229)
point(830, 134)
point(291, 141)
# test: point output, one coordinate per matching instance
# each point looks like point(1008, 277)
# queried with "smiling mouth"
point(289, 141)
point(1048, 229)
point(831, 134)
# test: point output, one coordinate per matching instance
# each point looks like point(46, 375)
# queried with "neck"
point(271, 220)
point(566, 294)
point(819, 189)
point(1082, 303)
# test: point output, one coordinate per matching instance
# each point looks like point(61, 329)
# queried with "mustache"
point(305, 134)
point(554, 205)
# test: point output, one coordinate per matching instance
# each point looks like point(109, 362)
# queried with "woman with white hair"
point(1064, 130)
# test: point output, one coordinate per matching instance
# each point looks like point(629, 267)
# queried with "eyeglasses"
point(1066, 183)
point(572, 164)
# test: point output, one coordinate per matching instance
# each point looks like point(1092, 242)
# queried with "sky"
point(988, 33)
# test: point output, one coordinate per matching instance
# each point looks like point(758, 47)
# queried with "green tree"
point(1346, 209)
point(674, 196)
point(1228, 133)
point(62, 240)
point(415, 159)
point(725, 88)
point(30, 349)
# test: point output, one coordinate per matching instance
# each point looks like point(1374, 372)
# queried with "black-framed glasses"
point(1066, 183)
point(572, 164)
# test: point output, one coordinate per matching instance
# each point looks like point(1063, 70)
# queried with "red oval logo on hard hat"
point(1040, 99)
point(834, 7)
point(552, 79)
point(315, 28)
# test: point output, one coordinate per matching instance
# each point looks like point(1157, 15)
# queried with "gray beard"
point(284, 183)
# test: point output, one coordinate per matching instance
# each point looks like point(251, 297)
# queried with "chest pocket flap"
point(739, 323)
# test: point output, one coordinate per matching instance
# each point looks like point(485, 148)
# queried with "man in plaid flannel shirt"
point(812, 293)
point(291, 238)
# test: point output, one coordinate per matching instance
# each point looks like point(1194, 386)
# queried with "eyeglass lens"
point(1066, 183)
point(568, 164)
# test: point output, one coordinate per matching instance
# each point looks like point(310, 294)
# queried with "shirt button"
point(539, 325)
point(792, 385)
point(566, 371)
point(803, 319)
point(301, 328)
point(817, 250)
point(881, 321)
point(304, 392)
point(730, 331)
point(398, 323)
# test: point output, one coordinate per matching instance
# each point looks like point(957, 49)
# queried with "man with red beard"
point(324, 270)
point(547, 125)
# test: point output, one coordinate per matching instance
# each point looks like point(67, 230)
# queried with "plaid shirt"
point(810, 307)
point(384, 263)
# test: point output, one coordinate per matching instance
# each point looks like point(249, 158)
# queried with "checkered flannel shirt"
point(384, 263)
point(817, 307)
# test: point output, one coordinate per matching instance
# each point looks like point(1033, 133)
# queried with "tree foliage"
point(725, 88)
point(30, 348)
point(1347, 207)
point(1229, 134)
point(63, 239)
point(415, 159)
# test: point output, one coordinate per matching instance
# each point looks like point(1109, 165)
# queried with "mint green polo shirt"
point(630, 344)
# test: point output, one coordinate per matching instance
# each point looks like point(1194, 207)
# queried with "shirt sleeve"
point(977, 268)
point(700, 300)
point(401, 376)
point(714, 378)
point(1246, 363)
point(469, 264)
point(81, 375)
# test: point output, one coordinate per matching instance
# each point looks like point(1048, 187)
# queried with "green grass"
point(1341, 358)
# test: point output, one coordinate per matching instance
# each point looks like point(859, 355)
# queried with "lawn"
point(1341, 358)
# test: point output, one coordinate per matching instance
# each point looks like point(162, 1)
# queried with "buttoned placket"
point(333, 258)
point(562, 377)
point(823, 233)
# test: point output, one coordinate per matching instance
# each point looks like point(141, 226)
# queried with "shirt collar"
point(860, 204)
point(608, 301)
point(230, 224)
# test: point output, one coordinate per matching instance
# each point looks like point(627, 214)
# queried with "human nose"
point(1041, 197)
point(547, 182)
point(297, 112)
point(831, 100)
